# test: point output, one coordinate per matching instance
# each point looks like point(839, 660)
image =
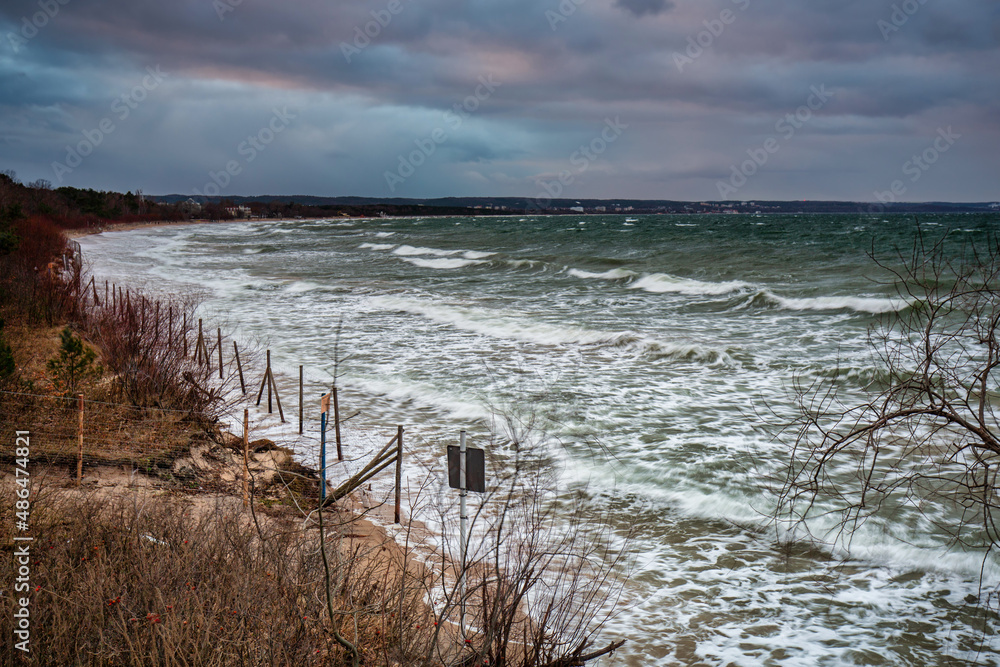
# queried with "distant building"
point(576, 209)
point(238, 211)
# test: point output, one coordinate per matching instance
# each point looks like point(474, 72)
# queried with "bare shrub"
point(922, 445)
point(543, 569)
point(150, 348)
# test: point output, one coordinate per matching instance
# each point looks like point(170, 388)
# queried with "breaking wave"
point(873, 305)
point(660, 283)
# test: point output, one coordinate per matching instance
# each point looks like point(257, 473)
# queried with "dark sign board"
point(475, 468)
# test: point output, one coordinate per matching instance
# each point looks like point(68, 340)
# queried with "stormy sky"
point(654, 99)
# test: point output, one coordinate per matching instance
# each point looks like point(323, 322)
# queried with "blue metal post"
point(322, 457)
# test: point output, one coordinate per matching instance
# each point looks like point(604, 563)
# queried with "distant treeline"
point(73, 208)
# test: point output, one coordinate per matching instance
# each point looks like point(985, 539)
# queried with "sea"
point(660, 353)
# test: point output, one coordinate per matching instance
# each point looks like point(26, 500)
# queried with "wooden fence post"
point(267, 379)
point(198, 344)
point(79, 450)
point(264, 383)
point(336, 424)
point(184, 334)
point(277, 399)
point(271, 386)
point(220, 353)
point(246, 456)
point(239, 367)
point(300, 399)
point(399, 469)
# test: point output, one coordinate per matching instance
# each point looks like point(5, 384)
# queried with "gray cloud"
point(940, 66)
point(644, 7)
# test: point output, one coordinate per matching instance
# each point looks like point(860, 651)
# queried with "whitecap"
point(660, 283)
point(299, 286)
point(442, 263)
point(873, 305)
point(408, 251)
point(613, 274)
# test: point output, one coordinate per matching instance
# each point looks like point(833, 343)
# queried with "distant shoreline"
point(132, 226)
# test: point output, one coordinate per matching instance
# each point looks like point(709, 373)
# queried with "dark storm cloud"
point(378, 75)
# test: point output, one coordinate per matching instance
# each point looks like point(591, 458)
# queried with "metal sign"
point(475, 469)
point(324, 404)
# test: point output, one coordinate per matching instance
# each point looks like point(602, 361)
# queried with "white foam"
point(442, 263)
point(413, 251)
point(613, 274)
point(660, 283)
point(872, 305)
point(377, 246)
point(408, 251)
point(541, 333)
point(300, 286)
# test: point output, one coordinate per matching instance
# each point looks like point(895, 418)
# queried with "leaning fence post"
point(399, 469)
point(277, 399)
point(265, 384)
point(220, 353)
point(79, 450)
point(300, 399)
point(270, 383)
point(239, 367)
point(336, 424)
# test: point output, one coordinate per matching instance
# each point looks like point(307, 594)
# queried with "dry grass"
point(136, 579)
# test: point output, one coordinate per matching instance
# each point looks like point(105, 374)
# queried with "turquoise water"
point(649, 345)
